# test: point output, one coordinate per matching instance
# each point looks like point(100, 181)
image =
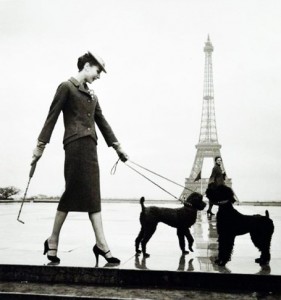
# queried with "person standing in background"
point(217, 178)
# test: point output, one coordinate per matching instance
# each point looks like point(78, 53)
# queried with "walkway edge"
point(141, 278)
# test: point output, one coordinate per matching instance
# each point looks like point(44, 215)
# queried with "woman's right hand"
point(37, 152)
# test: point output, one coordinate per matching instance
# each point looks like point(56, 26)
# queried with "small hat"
point(99, 60)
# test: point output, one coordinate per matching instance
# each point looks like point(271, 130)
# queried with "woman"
point(217, 178)
point(81, 111)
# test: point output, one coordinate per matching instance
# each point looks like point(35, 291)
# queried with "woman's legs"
point(209, 211)
point(53, 240)
point(210, 206)
point(96, 221)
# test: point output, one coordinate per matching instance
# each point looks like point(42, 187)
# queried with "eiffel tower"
point(208, 145)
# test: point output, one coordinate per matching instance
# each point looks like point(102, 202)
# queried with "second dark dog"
point(181, 218)
point(231, 223)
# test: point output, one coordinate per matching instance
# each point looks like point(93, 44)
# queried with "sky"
point(152, 92)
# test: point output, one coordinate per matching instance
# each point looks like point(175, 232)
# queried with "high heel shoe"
point(52, 258)
point(209, 213)
point(97, 251)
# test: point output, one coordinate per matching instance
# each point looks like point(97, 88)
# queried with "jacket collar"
point(80, 86)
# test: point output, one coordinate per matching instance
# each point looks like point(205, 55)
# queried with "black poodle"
point(181, 218)
point(231, 223)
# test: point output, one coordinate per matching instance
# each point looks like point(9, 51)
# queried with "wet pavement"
point(22, 244)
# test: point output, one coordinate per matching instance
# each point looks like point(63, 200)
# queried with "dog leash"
point(161, 176)
point(114, 168)
point(153, 182)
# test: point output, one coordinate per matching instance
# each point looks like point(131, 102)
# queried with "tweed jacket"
point(217, 175)
point(80, 113)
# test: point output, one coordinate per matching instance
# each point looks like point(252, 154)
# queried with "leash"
point(114, 168)
point(152, 182)
point(162, 176)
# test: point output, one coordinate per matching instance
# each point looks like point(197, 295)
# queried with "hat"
point(99, 61)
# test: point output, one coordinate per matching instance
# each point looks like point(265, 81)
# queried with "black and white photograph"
point(140, 153)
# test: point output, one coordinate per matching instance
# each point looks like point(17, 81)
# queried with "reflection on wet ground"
point(23, 243)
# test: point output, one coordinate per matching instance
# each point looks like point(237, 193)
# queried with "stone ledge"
point(141, 278)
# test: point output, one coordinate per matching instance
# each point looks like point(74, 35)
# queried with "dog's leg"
point(226, 243)
point(262, 241)
point(189, 238)
point(148, 232)
point(180, 233)
point(264, 259)
point(138, 240)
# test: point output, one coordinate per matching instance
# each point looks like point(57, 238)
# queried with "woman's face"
point(92, 73)
point(219, 161)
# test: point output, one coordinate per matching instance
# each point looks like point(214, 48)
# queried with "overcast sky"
point(152, 93)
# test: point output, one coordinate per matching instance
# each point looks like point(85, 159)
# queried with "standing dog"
point(181, 218)
point(231, 223)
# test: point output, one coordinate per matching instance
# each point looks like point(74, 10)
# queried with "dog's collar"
point(222, 202)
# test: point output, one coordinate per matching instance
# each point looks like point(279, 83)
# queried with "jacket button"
point(89, 129)
point(88, 114)
point(89, 101)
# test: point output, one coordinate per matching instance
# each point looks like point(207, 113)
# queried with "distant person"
point(217, 178)
point(81, 111)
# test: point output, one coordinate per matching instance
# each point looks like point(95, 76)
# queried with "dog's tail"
point(267, 213)
point(142, 203)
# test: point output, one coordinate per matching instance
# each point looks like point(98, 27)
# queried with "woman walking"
point(217, 178)
point(81, 111)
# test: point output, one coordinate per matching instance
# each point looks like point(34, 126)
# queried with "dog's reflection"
point(140, 263)
point(216, 267)
point(265, 270)
point(182, 264)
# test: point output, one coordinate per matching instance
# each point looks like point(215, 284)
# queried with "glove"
point(37, 152)
point(122, 155)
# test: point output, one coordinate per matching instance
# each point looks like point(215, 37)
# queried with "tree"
point(7, 192)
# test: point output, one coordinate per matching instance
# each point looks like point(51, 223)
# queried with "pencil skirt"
point(82, 179)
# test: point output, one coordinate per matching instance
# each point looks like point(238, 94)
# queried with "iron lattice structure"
point(208, 145)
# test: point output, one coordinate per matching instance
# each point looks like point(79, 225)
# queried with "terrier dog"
point(231, 223)
point(181, 218)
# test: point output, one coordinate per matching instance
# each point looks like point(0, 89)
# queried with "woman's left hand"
point(121, 153)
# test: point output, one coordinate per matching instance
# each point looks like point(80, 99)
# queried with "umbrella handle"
point(32, 170)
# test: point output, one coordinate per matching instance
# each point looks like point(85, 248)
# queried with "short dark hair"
point(217, 158)
point(87, 57)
